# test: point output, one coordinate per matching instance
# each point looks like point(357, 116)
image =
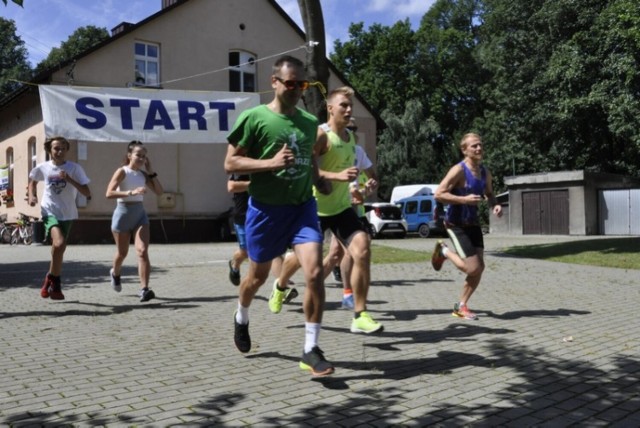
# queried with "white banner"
point(148, 115)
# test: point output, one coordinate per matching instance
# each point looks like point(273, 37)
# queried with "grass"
point(623, 253)
point(381, 254)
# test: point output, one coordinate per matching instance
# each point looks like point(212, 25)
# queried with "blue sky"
point(44, 24)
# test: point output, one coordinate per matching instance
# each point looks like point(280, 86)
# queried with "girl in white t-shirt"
point(128, 185)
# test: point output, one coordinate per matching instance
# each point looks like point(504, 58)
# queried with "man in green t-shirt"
point(274, 143)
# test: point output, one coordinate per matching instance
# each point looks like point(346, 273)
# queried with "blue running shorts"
point(271, 228)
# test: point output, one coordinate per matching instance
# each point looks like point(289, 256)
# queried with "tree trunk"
point(317, 67)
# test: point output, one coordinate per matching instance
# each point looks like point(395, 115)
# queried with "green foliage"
point(549, 84)
point(13, 58)
point(380, 64)
point(405, 149)
point(81, 40)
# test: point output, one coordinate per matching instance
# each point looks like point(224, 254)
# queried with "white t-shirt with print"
point(59, 199)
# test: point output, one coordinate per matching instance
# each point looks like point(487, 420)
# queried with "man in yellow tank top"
point(336, 148)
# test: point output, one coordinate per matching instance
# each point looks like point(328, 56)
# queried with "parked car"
point(386, 219)
point(423, 214)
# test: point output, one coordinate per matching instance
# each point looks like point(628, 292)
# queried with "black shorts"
point(343, 225)
point(466, 240)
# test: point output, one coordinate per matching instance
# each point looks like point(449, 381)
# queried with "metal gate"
point(619, 212)
point(545, 213)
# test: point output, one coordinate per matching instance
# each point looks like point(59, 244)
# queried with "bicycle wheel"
point(15, 237)
point(28, 238)
point(5, 236)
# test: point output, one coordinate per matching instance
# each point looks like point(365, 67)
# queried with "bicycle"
point(5, 230)
point(23, 230)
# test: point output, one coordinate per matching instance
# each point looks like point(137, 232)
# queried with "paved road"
point(555, 345)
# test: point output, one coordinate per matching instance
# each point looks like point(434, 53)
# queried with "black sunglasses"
point(293, 84)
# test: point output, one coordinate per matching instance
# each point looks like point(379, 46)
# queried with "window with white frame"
point(147, 64)
point(10, 166)
point(33, 159)
point(242, 71)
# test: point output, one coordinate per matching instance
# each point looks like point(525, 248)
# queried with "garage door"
point(545, 213)
point(619, 212)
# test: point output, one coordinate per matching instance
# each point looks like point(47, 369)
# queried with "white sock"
point(462, 304)
point(242, 315)
point(311, 333)
point(444, 251)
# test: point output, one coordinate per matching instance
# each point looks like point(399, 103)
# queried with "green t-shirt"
point(263, 133)
point(340, 156)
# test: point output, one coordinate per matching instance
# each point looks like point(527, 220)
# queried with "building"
point(570, 203)
point(190, 45)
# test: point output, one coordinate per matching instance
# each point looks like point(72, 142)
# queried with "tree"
point(565, 85)
point(14, 65)
point(380, 64)
point(405, 149)
point(81, 40)
point(446, 62)
point(317, 67)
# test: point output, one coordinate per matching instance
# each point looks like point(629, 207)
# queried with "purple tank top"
point(467, 215)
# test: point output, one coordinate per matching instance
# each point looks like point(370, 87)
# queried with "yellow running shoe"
point(365, 324)
point(276, 298)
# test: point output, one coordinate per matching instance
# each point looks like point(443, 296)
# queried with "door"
point(545, 213)
point(619, 212)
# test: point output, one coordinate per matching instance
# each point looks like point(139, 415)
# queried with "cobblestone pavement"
point(555, 345)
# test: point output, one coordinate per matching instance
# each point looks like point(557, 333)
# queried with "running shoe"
point(290, 294)
point(55, 291)
point(276, 298)
point(315, 362)
point(462, 311)
point(365, 324)
point(146, 295)
point(337, 275)
point(241, 335)
point(347, 301)
point(437, 258)
point(116, 284)
point(46, 287)
point(234, 274)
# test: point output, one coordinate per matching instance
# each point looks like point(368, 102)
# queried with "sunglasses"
point(352, 128)
point(293, 84)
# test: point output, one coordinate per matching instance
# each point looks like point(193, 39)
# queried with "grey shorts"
point(128, 217)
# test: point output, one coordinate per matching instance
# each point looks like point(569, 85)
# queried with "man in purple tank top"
point(466, 184)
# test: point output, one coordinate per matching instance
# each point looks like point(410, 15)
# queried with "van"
point(419, 208)
point(423, 214)
point(401, 192)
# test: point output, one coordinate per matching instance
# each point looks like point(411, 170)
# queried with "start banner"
point(148, 115)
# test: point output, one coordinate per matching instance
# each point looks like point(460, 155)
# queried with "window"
point(33, 159)
point(147, 58)
point(412, 207)
point(10, 166)
point(242, 72)
point(425, 206)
